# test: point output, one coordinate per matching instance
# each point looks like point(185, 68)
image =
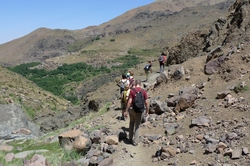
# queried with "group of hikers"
point(134, 99)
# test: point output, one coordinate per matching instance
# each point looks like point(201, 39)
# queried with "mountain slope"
point(156, 25)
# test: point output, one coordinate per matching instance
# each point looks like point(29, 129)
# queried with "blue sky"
point(20, 17)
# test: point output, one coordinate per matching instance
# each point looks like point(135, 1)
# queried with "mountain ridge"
point(37, 45)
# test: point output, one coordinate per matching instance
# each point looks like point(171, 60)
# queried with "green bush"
point(112, 40)
point(238, 89)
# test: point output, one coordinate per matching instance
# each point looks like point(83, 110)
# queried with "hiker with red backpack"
point(162, 59)
point(137, 101)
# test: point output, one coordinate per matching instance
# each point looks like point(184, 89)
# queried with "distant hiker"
point(137, 101)
point(162, 59)
point(148, 69)
point(130, 76)
point(124, 100)
point(123, 82)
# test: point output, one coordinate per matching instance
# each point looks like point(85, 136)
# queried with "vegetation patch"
point(239, 88)
point(58, 81)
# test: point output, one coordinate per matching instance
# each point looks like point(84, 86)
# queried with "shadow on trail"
point(118, 109)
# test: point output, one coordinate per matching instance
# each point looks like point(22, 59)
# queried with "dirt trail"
point(127, 154)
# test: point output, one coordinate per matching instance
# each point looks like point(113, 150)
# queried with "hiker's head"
point(149, 61)
point(137, 82)
point(162, 53)
point(128, 74)
point(132, 74)
point(124, 76)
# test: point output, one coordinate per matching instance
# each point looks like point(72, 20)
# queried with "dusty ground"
point(206, 105)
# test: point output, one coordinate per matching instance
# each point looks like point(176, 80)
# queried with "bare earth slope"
point(224, 119)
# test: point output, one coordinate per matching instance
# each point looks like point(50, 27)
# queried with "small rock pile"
point(97, 146)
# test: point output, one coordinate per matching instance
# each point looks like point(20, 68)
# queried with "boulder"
point(185, 101)
point(82, 144)
point(37, 160)
point(178, 73)
point(96, 136)
point(112, 140)
point(161, 78)
point(13, 118)
point(171, 128)
point(67, 138)
point(170, 150)
point(213, 65)
point(158, 107)
point(106, 162)
point(201, 121)
point(9, 157)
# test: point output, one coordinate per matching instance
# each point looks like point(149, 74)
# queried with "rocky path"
point(127, 154)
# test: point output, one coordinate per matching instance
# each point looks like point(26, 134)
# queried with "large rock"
point(214, 65)
point(82, 144)
point(14, 119)
point(178, 73)
point(185, 101)
point(67, 138)
point(171, 128)
point(96, 136)
point(201, 121)
point(170, 150)
point(158, 107)
point(106, 162)
point(162, 78)
point(37, 160)
point(112, 140)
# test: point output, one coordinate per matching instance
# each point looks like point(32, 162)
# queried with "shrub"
point(112, 40)
point(239, 88)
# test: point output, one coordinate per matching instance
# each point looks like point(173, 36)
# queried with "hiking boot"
point(134, 144)
point(123, 118)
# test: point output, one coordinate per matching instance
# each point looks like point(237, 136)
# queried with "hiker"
point(124, 100)
point(126, 93)
point(123, 82)
point(130, 77)
point(148, 69)
point(162, 59)
point(137, 101)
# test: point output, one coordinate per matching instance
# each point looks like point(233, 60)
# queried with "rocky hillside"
point(199, 109)
point(52, 47)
